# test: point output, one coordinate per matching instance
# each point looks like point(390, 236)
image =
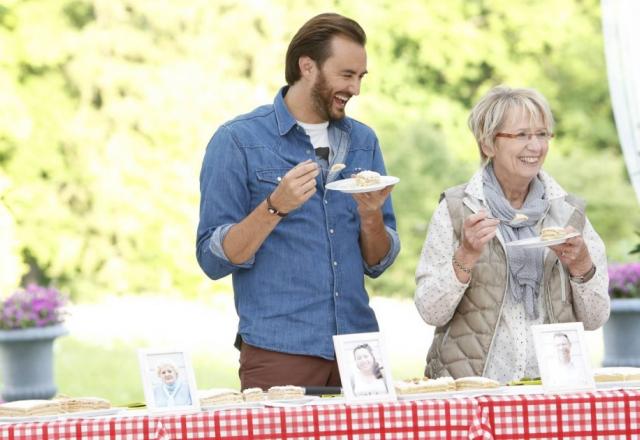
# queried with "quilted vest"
point(461, 347)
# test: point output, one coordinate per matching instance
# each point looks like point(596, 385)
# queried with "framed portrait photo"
point(563, 357)
point(168, 380)
point(364, 367)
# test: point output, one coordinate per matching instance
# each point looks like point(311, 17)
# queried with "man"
point(564, 370)
point(297, 252)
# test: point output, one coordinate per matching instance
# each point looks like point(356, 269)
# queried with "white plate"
point(618, 384)
point(537, 242)
point(92, 413)
point(291, 402)
point(234, 405)
point(440, 395)
point(349, 185)
point(19, 419)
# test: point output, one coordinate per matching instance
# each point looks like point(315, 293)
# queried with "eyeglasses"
point(542, 136)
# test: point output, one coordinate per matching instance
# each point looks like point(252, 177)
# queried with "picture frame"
point(364, 367)
point(168, 380)
point(563, 357)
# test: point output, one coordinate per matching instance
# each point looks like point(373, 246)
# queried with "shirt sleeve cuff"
point(394, 249)
point(215, 245)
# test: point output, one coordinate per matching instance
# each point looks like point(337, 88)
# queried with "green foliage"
point(107, 108)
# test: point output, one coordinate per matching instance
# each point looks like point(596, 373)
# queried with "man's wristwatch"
point(586, 277)
point(272, 209)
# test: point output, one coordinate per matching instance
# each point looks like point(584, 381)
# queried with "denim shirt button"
point(335, 263)
point(278, 178)
point(331, 231)
point(337, 294)
point(325, 202)
point(308, 151)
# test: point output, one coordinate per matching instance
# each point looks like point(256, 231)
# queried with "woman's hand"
point(477, 231)
point(574, 254)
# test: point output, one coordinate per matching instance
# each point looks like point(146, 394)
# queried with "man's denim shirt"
point(306, 282)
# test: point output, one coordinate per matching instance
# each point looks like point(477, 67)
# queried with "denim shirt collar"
point(286, 121)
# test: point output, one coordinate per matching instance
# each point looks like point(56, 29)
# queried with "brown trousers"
point(264, 369)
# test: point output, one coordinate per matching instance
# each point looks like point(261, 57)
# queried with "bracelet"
point(272, 209)
point(584, 278)
point(459, 265)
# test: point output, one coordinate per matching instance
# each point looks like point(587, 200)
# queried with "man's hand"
point(296, 187)
point(370, 203)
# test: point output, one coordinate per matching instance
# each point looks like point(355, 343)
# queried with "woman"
point(368, 378)
point(482, 295)
point(171, 391)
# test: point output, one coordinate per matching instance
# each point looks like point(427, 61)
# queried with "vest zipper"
point(506, 288)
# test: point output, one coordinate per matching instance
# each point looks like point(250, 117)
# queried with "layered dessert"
point(219, 396)
point(475, 383)
point(36, 407)
point(284, 392)
point(254, 395)
point(367, 178)
point(76, 404)
point(552, 233)
point(424, 385)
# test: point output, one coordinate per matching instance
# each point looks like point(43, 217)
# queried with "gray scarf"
point(525, 265)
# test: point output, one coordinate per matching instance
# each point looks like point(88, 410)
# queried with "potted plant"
point(621, 342)
point(30, 320)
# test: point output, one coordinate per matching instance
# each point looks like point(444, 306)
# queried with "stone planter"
point(26, 361)
point(621, 334)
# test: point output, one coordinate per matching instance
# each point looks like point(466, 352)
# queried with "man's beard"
point(322, 98)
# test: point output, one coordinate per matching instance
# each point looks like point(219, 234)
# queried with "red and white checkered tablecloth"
point(611, 414)
point(427, 419)
point(111, 428)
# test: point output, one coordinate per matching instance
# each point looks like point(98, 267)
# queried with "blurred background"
point(106, 107)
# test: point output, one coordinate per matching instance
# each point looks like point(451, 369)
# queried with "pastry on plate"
point(475, 383)
point(219, 396)
point(254, 394)
point(34, 407)
point(552, 233)
point(76, 404)
point(367, 178)
point(425, 385)
point(284, 392)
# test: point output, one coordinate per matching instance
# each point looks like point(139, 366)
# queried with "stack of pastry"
point(24, 408)
point(425, 385)
point(616, 374)
point(367, 178)
point(76, 404)
point(254, 395)
point(285, 392)
point(552, 233)
point(219, 396)
point(475, 383)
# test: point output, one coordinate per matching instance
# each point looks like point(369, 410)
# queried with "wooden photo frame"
point(563, 357)
point(168, 380)
point(365, 371)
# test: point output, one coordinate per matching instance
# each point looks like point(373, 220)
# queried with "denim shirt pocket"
point(269, 178)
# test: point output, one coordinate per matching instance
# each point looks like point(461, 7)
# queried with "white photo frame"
point(168, 380)
point(563, 357)
point(364, 367)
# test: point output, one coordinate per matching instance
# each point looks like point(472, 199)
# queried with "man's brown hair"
point(313, 40)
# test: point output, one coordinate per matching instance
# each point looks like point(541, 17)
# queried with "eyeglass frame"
point(516, 136)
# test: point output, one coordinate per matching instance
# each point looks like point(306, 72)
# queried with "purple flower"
point(35, 306)
point(624, 280)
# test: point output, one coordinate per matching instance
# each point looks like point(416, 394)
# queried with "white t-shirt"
point(318, 133)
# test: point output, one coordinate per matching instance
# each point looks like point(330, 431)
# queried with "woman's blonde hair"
point(489, 114)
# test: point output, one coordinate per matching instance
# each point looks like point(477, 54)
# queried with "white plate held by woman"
point(537, 242)
point(349, 185)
